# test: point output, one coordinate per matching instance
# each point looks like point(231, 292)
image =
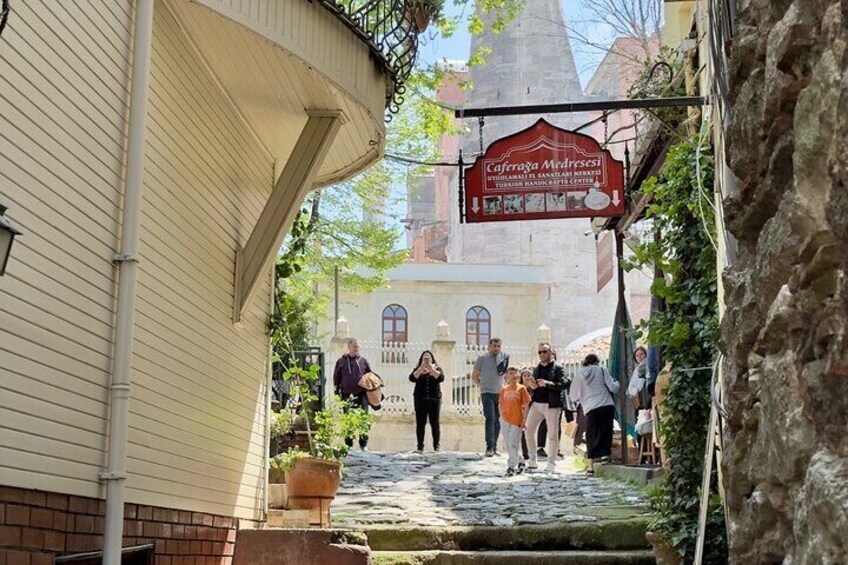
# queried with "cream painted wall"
point(516, 309)
point(432, 292)
point(198, 410)
point(677, 21)
point(63, 95)
point(197, 421)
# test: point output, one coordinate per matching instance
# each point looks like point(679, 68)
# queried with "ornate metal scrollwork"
point(4, 15)
point(388, 29)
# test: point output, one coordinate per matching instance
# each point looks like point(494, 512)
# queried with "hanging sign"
point(544, 172)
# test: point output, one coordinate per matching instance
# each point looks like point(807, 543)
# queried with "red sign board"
point(544, 172)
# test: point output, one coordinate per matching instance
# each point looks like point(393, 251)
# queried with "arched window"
point(478, 326)
point(394, 323)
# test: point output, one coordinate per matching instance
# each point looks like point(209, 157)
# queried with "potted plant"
point(314, 475)
point(421, 12)
point(281, 425)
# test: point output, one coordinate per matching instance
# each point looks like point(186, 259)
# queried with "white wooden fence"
point(394, 361)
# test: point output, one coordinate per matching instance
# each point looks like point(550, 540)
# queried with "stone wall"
point(395, 433)
point(784, 336)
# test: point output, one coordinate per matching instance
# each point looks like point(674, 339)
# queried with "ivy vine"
point(289, 323)
point(682, 248)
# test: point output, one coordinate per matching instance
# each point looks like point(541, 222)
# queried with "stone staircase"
point(585, 543)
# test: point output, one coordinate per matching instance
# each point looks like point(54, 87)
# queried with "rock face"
point(784, 335)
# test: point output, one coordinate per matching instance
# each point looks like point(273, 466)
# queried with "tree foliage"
point(683, 249)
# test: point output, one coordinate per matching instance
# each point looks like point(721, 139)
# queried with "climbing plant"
point(683, 249)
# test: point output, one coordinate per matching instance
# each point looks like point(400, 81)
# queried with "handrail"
point(387, 28)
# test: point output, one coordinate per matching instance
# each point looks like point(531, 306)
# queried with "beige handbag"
point(372, 383)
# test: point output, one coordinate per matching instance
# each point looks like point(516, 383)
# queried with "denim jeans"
point(493, 418)
point(512, 441)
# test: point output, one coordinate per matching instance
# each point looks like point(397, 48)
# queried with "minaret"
point(531, 63)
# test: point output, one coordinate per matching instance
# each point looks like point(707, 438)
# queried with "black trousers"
point(427, 409)
point(599, 432)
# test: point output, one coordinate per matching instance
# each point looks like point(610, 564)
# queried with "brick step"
point(436, 557)
point(609, 535)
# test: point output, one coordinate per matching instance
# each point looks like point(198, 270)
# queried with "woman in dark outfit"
point(427, 377)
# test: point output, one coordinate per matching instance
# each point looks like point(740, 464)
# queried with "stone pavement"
point(467, 489)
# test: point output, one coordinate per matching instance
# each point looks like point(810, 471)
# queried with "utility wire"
point(413, 161)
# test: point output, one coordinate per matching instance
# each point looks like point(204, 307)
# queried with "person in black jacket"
point(348, 370)
point(427, 377)
point(547, 405)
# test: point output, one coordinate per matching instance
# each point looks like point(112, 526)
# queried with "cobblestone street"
point(467, 489)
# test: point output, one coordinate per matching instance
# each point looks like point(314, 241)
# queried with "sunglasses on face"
point(541, 351)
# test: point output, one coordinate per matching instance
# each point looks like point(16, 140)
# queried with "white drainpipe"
point(127, 259)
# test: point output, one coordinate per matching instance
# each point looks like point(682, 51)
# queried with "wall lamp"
point(7, 237)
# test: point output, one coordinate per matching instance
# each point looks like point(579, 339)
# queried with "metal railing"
point(387, 28)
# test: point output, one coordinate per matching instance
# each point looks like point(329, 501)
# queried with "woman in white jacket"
point(593, 389)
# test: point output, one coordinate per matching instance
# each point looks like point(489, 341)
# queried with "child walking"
point(513, 402)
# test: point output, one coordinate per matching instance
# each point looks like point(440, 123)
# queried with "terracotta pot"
point(312, 480)
point(663, 552)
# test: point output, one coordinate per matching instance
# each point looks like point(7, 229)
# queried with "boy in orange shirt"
point(513, 402)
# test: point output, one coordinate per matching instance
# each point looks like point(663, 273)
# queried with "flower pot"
point(663, 552)
point(312, 481)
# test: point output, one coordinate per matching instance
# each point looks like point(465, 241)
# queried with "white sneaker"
point(549, 468)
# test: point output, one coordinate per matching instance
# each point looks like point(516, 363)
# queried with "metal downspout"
point(127, 260)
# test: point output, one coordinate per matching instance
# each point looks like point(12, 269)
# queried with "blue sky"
point(434, 48)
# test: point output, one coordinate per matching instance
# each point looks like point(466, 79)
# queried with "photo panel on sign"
point(575, 200)
point(492, 205)
point(555, 201)
point(513, 204)
point(534, 203)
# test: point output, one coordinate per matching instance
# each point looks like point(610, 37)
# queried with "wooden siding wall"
point(197, 412)
point(63, 97)
point(197, 419)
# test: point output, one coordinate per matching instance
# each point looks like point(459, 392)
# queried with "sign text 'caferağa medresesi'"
point(544, 172)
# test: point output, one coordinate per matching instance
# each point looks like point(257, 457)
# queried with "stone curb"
point(605, 535)
point(642, 557)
